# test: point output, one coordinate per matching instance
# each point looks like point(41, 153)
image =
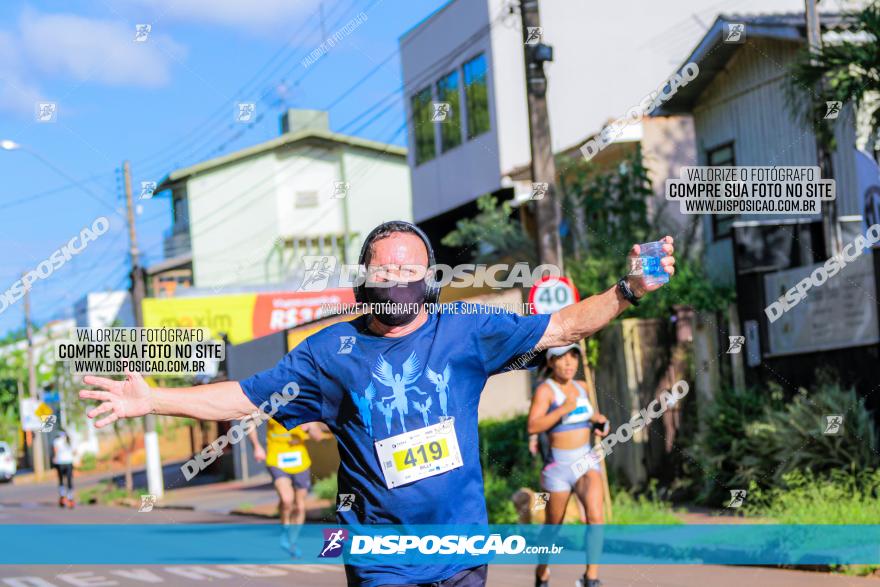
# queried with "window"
point(450, 131)
point(721, 157)
point(423, 126)
point(476, 95)
point(180, 211)
point(305, 199)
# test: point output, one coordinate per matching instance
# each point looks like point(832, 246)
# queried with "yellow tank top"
point(286, 449)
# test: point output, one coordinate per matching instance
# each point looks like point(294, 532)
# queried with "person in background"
point(62, 460)
point(288, 461)
point(539, 444)
point(562, 408)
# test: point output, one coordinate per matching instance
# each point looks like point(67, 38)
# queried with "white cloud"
point(17, 93)
point(86, 49)
point(252, 15)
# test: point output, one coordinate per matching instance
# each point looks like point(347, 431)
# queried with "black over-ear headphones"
point(433, 290)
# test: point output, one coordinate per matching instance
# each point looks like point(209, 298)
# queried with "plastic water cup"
point(652, 270)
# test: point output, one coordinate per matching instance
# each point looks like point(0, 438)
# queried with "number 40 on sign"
point(550, 294)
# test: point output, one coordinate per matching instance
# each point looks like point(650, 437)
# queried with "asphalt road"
point(35, 504)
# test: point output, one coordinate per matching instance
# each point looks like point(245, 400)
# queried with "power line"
point(65, 187)
point(249, 195)
point(199, 140)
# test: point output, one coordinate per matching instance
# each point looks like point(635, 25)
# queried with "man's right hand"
point(123, 399)
point(259, 453)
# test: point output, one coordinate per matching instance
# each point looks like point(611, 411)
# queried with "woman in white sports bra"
point(562, 408)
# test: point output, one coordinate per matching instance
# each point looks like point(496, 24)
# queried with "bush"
point(756, 437)
point(507, 465)
point(504, 446)
point(326, 488)
point(499, 505)
point(793, 438)
point(719, 449)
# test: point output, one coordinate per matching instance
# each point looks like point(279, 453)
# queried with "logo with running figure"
point(346, 500)
point(334, 542)
point(394, 395)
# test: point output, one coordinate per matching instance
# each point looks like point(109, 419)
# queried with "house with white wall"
point(248, 217)
point(743, 115)
point(606, 58)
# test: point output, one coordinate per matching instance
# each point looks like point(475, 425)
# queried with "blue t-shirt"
point(367, 387)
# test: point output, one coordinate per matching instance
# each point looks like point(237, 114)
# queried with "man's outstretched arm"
point(578, 321)
point(132, 398)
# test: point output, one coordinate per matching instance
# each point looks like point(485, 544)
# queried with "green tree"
point(493, 234)
point(843, 71)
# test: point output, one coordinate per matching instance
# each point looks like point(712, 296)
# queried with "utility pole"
point(830, 225)
point(155, 482)
point(547, 210)
point(38, 450)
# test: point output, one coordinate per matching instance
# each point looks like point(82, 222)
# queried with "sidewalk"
point(255, 497)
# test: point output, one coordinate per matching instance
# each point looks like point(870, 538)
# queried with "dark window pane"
point(721, 157)
point(450, 131)
point(477, 96)
point(778, 247)
point(423, 127)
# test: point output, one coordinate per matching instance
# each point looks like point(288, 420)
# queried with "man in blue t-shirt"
point(399, 387)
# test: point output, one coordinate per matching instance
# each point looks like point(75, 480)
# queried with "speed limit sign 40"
point(550, 294)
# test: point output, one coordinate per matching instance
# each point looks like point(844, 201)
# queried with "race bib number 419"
point(419, 454)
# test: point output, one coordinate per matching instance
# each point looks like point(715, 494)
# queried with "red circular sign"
point(550, 294)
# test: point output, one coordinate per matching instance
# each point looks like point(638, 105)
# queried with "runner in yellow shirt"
point(288, 462)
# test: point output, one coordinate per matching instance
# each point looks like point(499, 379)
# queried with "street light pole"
point(155, 482)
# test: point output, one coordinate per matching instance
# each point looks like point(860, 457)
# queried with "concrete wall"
point(238, 211)
point(380, 191)
point(103, 309)
point(233, 219)
point(451, 37)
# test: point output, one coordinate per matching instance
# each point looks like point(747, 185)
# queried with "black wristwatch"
point(626, 292)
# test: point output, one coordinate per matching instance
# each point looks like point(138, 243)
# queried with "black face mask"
point(399, 304)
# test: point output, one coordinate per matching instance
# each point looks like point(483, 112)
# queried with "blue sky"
point(160, 104)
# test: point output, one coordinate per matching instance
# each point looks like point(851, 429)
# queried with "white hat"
point(558, 351)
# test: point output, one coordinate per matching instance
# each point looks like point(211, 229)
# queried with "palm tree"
point(845, 71)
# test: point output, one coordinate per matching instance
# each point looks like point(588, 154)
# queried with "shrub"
point(504, 446)
point(507, 465)
point(719, 448)
point(326, 488)
point(793, 438)
point(754, 436)
point(499, 505)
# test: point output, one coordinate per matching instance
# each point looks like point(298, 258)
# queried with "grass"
point(108, 494)
point(89, 462)
point(642, 509)
point(839, 498)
